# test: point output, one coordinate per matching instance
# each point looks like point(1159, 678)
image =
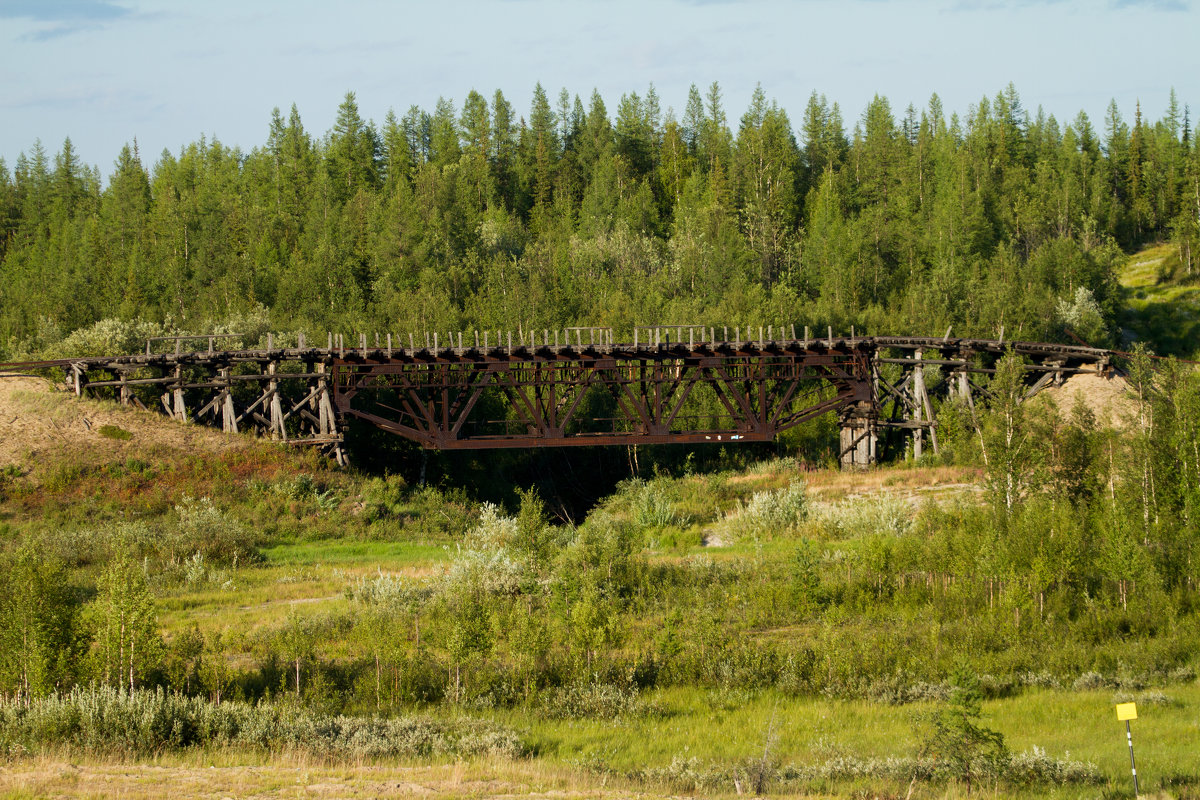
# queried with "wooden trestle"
point(575, 387)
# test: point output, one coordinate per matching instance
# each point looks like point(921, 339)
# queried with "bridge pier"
point(859, 437)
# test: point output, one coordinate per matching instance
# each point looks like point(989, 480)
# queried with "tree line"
point(478, 216)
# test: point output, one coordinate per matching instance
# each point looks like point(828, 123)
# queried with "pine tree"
point(957, 740)
point(353, 153)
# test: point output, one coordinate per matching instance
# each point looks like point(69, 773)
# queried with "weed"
point(652, 508)
point(114, 432)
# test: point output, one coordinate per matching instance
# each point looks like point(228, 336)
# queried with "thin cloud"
point(1153, 5)
point(63, 11)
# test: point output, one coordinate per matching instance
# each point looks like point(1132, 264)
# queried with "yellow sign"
point(1126, 711)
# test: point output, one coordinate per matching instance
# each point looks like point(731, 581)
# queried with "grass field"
point(655, 755)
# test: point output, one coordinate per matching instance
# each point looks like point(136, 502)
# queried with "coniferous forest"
point(894, 220)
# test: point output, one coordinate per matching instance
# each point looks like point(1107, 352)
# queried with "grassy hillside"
point(1161, 303)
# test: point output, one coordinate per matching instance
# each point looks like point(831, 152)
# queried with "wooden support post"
point(277, 428)
point(179, 404)
point(918, 390)
point(125, 390)
point(228, 412)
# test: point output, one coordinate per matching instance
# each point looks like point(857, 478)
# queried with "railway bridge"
point(571, 387)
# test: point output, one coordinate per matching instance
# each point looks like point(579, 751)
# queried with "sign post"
point(1126, 712)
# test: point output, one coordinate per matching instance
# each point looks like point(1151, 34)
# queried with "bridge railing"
point(211, 339)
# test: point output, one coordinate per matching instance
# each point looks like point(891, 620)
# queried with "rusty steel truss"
point(576, 387)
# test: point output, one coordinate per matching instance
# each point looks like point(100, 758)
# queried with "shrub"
point(205, 529)
point(1034, 767)
point(652, 508)
point(882, 514)
point(770, 512)
point(1092, 680)
point(110, 337)
point(105, 720)
point(592, 700)
point(391, 592)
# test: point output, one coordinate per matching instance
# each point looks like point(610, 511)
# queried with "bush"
point(206, 529)
point(114, 432)
point(105, 720)
point(883, 514)
point(110, 337)
point(770, 513)
point(589, 701)
point(652, 508)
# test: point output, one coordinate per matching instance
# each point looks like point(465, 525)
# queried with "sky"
point(166, 72)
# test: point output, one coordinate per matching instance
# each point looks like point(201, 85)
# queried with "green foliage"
point(652, 508)
point(205, 529)
point(41, 633)
point(591, 701)
point(771, 513)
point(127, 626)
point(108, 336)
point(114, 432)
point(865, 517)
point(964, 748)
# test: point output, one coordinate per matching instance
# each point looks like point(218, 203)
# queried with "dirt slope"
point(39, 425)
point(1109, 398)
